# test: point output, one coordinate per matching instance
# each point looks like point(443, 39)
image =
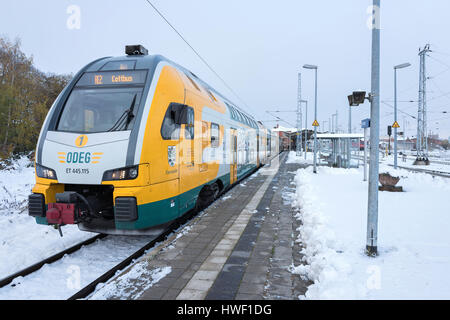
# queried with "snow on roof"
point(284, 129)
point(339, 135)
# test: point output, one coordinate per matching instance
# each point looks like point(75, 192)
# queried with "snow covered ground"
point(413, 241)
point(22, 241)
point(65, 277)
point(293, 158)
point(409, 163)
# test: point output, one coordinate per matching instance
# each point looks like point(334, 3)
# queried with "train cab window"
point(100, 110)
point(169, 129)
point(215, 135)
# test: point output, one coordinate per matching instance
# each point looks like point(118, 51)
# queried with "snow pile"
point(326, 266)
point(293, 158)
point(16, 182)
point(413, 242)
point(22, 241)
point(132, 284)
point(63, 278)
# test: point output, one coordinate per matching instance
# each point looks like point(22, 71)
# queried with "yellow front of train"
point(100, 156)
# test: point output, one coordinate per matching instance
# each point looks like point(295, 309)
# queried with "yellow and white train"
point(134, 142)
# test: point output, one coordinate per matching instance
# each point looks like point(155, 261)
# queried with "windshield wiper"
point(127, 114)
point(130, 112)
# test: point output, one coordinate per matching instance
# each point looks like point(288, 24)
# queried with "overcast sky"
point(258, 47)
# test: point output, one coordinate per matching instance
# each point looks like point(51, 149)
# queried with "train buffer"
point(239, 248)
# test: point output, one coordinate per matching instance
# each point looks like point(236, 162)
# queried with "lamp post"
point(400, 66)
point(313, 67)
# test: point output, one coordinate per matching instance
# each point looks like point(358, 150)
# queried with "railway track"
point(90, 288)
point(105, 276)
point(38, 265)
point(434, 173)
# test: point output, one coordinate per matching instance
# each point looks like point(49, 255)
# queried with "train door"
point(233, 166)
point(188, 177)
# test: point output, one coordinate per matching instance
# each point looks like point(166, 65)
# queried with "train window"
point(215, 135)
point(248, 121)
point(193, 83)
point(119, 65)
point(240, 116)
point(169, 129)
point(213, 98)
point(233, 113)
point(100, 110)
point(205, 134)
point(189, 132)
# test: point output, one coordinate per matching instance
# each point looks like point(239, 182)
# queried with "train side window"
point(169, 129)
point(205, 134)
point(247, 121)
point(213, 98)
point(189, 132)
point(241, 118)
point(236, 115)
point(215, 135)
point(233, 114)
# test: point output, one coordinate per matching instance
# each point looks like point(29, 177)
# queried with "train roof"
point(149, 62)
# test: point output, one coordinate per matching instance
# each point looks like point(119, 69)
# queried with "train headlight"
point(46, 173)
point(129, 173)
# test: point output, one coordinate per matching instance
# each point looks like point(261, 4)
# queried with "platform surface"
point(239, 248)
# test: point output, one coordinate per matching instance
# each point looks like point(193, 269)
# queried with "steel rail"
point(35, 267)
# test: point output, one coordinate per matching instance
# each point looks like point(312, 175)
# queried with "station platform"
point(240, 248)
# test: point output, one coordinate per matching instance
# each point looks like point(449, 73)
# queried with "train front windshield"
point(100, 110)
point(103, 101)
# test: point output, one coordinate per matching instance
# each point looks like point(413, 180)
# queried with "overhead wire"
point(196, 52)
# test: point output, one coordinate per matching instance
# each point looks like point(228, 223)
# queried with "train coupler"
point(67, 210)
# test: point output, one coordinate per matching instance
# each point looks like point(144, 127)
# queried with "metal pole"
point(372, 214)
point(299, 117)
point(395, 118)
point(365, 154)
point(349, 142)
point(306, 127)
point(315, 127)
point(337, 124)
point(350, 120)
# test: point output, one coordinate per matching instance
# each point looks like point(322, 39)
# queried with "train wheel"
point(206, 196)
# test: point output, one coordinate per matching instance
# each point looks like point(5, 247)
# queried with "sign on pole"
point(315, 123)
point(365, 123)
